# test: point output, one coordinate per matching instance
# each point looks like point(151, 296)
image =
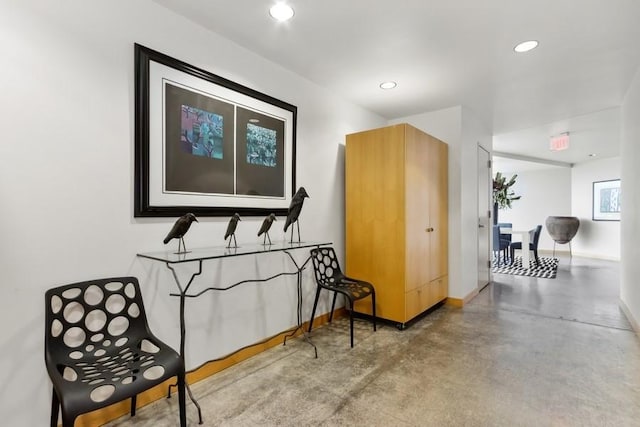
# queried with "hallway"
point(525, 352)
point(585, 290)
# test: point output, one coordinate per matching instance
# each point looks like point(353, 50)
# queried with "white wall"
point(597, 239)
point(462, 131)
point(474, 133)
point(564, 191)
point(543, 192)
point(630, 224)
point(66, 181)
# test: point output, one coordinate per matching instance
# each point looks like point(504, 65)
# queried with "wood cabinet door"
point(417, 208)
point(438, 208)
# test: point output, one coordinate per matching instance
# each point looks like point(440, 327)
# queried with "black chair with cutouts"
point(329, 276)
point(99, 349)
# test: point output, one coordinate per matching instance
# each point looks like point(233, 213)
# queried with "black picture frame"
point(207, 145)
point(606, 200)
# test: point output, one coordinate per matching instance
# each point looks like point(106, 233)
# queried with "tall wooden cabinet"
point(396, 219)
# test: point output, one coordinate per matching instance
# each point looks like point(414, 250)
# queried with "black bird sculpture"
point(266, 225)
point(231, 230)
point(179, 229)
point(294, 211)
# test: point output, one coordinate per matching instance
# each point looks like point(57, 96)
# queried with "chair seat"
point(124, 371)
point(518, 245)
point(358, 289)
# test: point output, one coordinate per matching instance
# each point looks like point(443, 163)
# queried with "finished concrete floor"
point(524, 352)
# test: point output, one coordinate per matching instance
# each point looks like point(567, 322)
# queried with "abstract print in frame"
point(207, 145)
point(607, 200)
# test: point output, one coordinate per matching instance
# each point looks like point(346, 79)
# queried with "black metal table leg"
point(299, 305)
point(183, 330)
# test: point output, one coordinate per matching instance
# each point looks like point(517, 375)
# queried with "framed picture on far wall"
point(606, 200)
point(207, 145)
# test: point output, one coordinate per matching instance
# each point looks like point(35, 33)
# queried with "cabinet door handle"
point(429, 230)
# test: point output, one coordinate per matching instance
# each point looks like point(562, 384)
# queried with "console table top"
point(198, 254)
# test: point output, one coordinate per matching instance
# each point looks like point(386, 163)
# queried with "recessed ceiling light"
point(388, 85)
point(281, 12)
point(526, 46)
point(592, 155)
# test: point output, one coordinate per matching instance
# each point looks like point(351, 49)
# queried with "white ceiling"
point(509, 167)
point(596, 134)
point(453, 52)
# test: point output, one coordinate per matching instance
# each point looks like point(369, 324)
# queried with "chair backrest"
point(536, 236)
point(505, 225)
point(325, 266)
point(92, 320)
point(496, 237)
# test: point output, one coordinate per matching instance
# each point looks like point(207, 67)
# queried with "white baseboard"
point(550, 251)
point(596, 256)
point(579, 254)
point(630, 318)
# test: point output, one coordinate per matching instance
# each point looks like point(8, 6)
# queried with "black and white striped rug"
point(547, 269)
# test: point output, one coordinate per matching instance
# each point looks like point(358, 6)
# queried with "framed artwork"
point(207, 145)
point(606, 200)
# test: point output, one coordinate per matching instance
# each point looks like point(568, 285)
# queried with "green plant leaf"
point(502, 195)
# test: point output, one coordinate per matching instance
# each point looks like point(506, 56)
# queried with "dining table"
point(525, 238)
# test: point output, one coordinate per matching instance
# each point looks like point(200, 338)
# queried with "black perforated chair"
point(99, 349)
point(329, 276)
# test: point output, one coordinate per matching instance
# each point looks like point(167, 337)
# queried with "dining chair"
point(533, 245)
point(505, 236)
point(500, 245)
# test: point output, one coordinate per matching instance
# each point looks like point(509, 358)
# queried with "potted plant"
point(503, 195)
